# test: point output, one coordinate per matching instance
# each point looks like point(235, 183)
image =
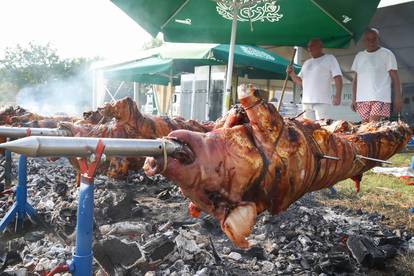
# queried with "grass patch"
point(386, 195)
point(401, 159)
point(405, 264)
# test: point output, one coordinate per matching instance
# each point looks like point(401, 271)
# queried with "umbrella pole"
point(227, 91)
point(171, 92)
point(285, 82)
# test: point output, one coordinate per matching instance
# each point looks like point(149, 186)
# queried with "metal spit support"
point(20, 207)
point(20, 132)
point(85, 146)
point(81, 263)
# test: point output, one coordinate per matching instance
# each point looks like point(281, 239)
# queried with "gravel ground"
point(142, 228)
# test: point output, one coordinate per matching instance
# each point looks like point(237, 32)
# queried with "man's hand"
point(353, 106)
point(397, 106)
point(289, 70)
point(291, 73)
point(336, 100)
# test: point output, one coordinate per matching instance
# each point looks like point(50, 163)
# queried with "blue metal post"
point(20, 207)
point(81, 264)
point(21, 191)
point(7, 169)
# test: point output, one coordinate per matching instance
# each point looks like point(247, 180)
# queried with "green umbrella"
point(282, 22)
point(172, 59)
point(261, 22)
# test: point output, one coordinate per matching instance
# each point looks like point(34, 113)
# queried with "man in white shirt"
point(316, 78)
point(375, 69)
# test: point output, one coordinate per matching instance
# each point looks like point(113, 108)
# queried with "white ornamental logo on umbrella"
point(257, 12)
point(256, 53)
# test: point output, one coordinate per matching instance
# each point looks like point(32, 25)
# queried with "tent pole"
point(234, 84)
point(207, 117)
point(192, 110)
point(227, 91)
point(171, 92)
point(137, 91)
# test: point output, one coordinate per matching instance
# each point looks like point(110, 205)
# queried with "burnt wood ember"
point(113, 254)
point(243, 169)
point(365, 252)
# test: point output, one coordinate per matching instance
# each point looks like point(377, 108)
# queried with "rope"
point(260, 101)
point(164, 149)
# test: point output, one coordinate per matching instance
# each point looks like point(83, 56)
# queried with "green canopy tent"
point(164, 65)
point(257, 22)
point(169, 61)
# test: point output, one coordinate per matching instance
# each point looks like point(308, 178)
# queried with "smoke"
point(70, 96)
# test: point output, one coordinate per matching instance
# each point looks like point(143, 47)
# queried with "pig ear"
point(263, 117)
point(239, 223)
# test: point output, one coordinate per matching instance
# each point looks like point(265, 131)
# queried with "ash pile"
point(142, 227)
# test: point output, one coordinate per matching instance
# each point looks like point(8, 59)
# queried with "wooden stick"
point(286, 79)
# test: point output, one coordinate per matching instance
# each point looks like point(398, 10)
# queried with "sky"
point(76, 28)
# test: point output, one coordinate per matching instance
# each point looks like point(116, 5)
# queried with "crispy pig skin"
point(243, 169)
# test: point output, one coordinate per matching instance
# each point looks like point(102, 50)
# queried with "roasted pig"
point(122, 119)
point(259, 161)
point(19, 117)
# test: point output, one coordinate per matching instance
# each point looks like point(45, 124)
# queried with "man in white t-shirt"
point(375, 69)
point(316, 78)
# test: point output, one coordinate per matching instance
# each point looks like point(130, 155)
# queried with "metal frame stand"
point(81, 263)
point(411, 210)
point(7, 169)
point(20, 207)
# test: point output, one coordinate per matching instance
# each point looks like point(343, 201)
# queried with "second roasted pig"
point(122, 119)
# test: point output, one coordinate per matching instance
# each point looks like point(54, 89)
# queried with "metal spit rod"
point(19, 132)
point(38, 146)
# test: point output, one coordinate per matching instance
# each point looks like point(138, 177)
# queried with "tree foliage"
point(35, 65)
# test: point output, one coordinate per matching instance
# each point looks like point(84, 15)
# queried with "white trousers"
point(316, 111)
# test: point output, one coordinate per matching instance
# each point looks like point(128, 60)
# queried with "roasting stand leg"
point(7, 169)
point(20, 207)
point(81, 263)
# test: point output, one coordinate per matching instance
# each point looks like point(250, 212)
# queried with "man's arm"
point(296, 79)
point(397, 90)
point(338, 86)
point(354, 91)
